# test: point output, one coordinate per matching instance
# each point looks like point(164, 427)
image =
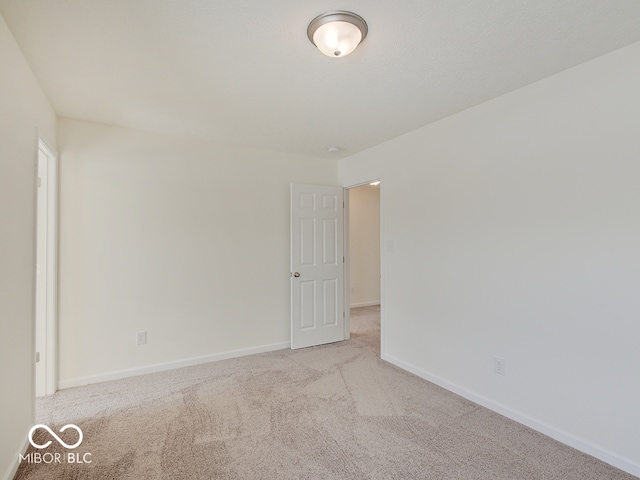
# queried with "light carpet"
point(329, 412)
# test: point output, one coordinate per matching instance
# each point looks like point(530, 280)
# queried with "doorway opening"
point(363, 244)
point(46, 272)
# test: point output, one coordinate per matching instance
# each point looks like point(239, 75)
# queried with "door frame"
point(345, 266)
point(347, 256)
point(347, 263)
point(50, 322)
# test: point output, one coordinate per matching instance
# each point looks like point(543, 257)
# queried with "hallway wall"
point(364, 245)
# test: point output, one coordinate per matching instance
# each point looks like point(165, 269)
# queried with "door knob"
point(297, 274)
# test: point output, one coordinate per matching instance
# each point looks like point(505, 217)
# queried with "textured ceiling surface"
point(244, 72)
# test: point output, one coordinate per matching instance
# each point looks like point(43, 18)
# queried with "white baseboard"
point(365, 304)
point(160, 367)
point(584, 446)
point(13, 466)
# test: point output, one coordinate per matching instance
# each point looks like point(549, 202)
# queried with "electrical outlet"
point(141, 338)
point(499, 366)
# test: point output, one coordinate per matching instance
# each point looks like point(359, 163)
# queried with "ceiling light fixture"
point(337, 34)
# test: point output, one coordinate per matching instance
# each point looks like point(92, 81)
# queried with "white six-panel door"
point(317, 265)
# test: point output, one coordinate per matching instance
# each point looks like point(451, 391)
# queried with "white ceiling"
point(244, 72)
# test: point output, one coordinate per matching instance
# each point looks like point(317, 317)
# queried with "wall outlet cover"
point(499, 366)
point(141, 338)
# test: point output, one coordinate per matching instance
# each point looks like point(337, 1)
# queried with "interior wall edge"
point(364, 304)
point(15, 464)
point(161, 367)
point(561, 436)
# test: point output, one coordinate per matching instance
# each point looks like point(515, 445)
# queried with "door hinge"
point(37, 357)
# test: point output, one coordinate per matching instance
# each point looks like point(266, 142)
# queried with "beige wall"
point(364, 245)
point(182, 238)
point(24, 114)
point(512, 230)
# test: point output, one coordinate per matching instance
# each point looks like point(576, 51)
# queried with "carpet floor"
point(329, 412)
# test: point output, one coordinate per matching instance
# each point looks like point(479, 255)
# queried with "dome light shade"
point(337, 34)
